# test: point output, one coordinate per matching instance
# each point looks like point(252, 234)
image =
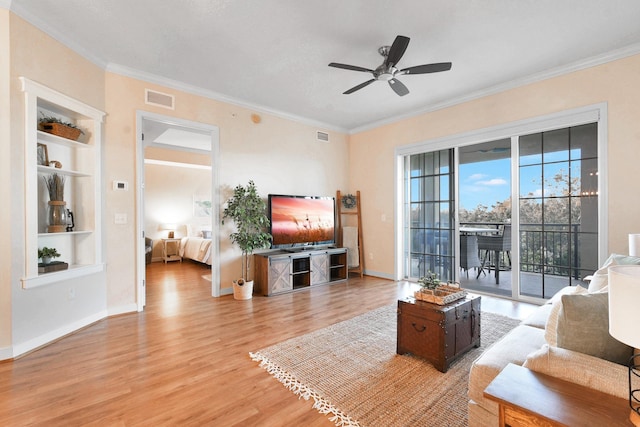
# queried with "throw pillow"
point(551, 328)
point(600, 279)
point(583, 326)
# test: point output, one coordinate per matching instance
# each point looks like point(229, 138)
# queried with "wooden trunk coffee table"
point(438, 333)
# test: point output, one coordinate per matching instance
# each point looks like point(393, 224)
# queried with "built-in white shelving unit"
point(81, 167)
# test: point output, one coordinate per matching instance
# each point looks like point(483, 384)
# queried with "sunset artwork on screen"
point(297, 220)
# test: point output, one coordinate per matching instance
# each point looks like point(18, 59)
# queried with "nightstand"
point(171, 250)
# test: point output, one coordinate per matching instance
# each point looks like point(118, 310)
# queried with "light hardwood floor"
point(184, 360)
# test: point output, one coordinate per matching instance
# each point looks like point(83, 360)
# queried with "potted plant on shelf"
point(46, 254)
point(249, 213)
point(57, 218)
point(59, 127)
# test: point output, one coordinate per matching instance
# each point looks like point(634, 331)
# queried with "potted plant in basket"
point(59, 127)
point(46, 254)
point(249, 213)
point(435, 291)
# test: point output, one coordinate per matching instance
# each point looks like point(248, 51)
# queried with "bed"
point(197, 247)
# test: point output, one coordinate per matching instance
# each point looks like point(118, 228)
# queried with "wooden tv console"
point(281, 271)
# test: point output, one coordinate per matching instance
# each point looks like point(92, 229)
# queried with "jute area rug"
point(353, 374)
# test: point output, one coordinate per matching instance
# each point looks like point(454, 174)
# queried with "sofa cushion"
point(538, 319)
point(551, 328)
point(579, 368)
point(512, 348)
point(583, 326)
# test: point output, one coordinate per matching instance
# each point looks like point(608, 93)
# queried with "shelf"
point(65, 233)
point(81, 249)
point(56, 276)
point(61, 171)
point(49, 138)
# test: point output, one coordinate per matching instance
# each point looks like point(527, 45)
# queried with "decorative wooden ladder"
point(355, 211)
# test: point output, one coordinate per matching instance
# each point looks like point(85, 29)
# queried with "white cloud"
point(493, 182)
point(476, 176)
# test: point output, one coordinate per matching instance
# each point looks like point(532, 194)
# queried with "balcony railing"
point(552, 249)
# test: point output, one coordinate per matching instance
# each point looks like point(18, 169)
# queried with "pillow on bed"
point(206, 234)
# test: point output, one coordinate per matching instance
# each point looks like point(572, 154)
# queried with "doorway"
point(177, 145)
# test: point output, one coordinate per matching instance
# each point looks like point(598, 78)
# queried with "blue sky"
point(484, 183)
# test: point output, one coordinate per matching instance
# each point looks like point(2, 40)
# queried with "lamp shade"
point(634, 244)
point(624, 294)
point(168, 226)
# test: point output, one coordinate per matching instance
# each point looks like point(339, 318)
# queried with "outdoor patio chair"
point(496, 244)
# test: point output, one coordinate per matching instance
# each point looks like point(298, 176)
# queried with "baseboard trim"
point(45, 339)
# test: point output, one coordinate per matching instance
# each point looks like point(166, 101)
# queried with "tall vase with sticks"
point(57, 218)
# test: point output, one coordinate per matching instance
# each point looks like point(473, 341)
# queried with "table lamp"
point(624, 294)
point(169, 226)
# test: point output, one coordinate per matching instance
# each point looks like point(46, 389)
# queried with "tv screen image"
point(302, 220)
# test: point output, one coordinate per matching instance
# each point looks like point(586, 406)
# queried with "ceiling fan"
point(388, 70)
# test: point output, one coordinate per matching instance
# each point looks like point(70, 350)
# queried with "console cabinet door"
point(280, 275)
point(319, 268)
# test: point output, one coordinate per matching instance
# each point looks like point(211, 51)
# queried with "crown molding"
point(195, 90)
point(593, 61)
point(57, 35)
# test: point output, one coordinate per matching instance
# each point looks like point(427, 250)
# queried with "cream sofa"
point(536, 344)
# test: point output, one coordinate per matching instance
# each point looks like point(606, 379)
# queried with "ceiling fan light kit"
point(388, 71)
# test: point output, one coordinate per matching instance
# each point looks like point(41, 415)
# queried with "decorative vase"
point(46, 260)
point(57, 216)
point(242, 290)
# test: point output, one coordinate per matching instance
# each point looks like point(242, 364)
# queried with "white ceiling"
point(272, 55)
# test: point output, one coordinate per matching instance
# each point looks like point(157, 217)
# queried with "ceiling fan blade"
point(398, 87)
point(360, 86)
point(397, 49)
point(427, 68)
point(350, 67)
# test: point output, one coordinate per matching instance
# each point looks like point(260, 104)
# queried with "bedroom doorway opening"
point(177, 178)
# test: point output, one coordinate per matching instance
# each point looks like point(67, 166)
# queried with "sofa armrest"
point(582, 369)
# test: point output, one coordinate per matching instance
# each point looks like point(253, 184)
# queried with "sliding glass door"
point(428, 225)
point(517, 215)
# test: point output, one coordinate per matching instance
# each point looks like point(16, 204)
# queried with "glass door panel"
point(558, 204)
point(428, 231)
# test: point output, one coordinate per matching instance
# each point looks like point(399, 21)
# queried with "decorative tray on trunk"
point(442, 294)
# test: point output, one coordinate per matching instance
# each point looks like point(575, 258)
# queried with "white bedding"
point(196, 248)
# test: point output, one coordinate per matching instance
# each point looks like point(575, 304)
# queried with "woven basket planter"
point(442, 295)
point(60, 130)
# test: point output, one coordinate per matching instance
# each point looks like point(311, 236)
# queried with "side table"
point(529, 398)
point(168, 255)
point(438, 333)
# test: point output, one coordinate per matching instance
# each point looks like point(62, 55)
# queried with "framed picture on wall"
point(43, 155)
point(201, 206)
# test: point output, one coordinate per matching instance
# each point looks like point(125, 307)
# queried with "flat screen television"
point(300, 222)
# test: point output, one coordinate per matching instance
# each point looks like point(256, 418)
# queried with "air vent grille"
point(159, 99)
point(322, 136)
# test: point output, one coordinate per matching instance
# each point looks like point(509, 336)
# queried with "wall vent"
point(159, 99)
point(322, 136)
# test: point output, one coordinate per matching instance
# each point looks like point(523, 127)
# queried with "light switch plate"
point(120, 185)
